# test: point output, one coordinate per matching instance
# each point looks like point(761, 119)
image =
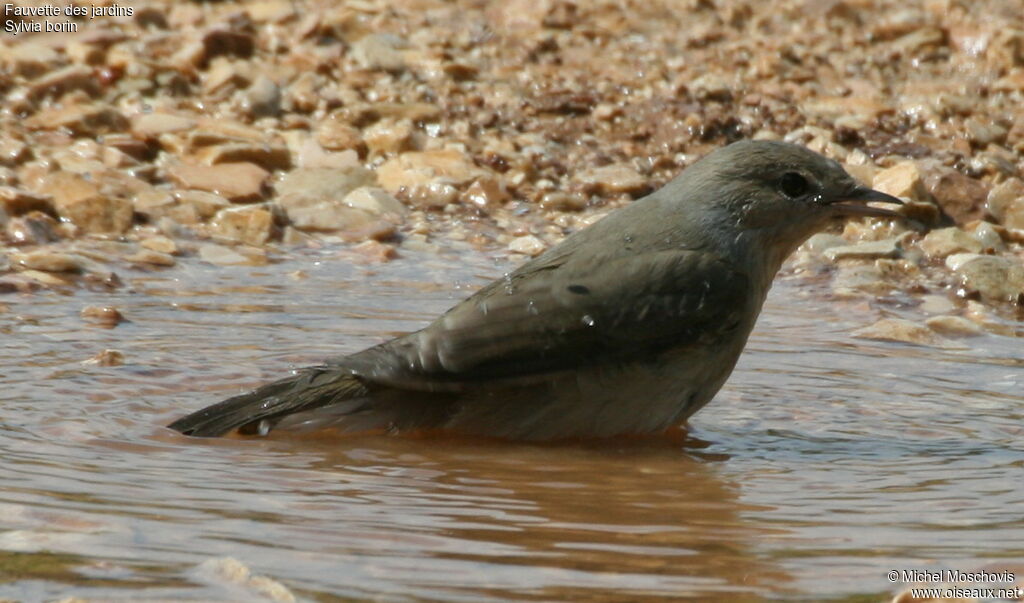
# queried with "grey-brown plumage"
point(629, 326)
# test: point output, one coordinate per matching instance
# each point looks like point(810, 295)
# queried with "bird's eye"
point(793, 185)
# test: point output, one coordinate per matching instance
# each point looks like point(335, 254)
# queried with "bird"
point(626, 328)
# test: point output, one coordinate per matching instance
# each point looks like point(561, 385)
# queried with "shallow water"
point(824, 463)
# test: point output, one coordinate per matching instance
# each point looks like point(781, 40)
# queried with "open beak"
point(855, 203)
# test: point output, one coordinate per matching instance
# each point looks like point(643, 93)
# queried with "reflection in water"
point(824, 462)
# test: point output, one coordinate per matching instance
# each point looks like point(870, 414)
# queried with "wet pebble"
point(104, 315)
point(904, 331)
point(47, 261)
point(527, 245)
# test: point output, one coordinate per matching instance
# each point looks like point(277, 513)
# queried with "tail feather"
point(259, 410)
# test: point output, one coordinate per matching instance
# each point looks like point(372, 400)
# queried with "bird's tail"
point(261, 409)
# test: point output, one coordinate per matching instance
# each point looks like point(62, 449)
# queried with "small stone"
point(995, 278)
point(225, 76)
point(851, 280)
point(149, 256)
point(239, 182)
point(953, 326)
point(47, 261)
point(487, 192)
point(251, 224)
point(422, 168)
point(45, 278)
point(376, 201)
point(868, 250)
point(81, 202)
point(432, 195)
point(388, 136)
point(306, 186)
point(901, 180)
point(961, 198)
point(151, 125)
point(203, 203)
point(156, 204)
point(615, 178)
point(222, 41)
point(270, 11)
point(336, 134)
point(380, 52)
point(30, 60)
point(106, 315)
point(160, 243)
point(262, 98)
point(904, 331)
point(61, 81)
point(329, 215)
point(14, 152)
point(947, 241)
point(106, 358)
point(81, 119)
point(375, 251)
point(989, 237)
point(1005, 203)
point(34, 228)
point(220, 255)
point(527, 245)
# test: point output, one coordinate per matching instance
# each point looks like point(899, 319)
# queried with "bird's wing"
point(554, 315)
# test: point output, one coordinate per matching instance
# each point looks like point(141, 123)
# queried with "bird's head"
point(781, 193)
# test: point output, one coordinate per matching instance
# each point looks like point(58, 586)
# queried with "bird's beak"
point(855, 203)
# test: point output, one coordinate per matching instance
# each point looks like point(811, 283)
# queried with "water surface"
point(825, 462)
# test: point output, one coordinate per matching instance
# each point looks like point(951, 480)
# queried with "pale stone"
point(389, 136)
point(380, 51)
point(160, 243)
point(1005, 203)
point(615, 178)
point(106, 357)
point(204, 204)
point(248, 224)
point(81, 202)
point(89, 119)
point(152, 125)
point(527, 244)
point(420, 168)
point(237, 181)
point(33, 228)
point(47, 261)
point(61, 81)
point(904, 331)
point(149, 256)
point(901, 180)
point(156, 204)
point(308, 186)
point(488, 192)
point(221, 255)
point(328, 216)
point(990, 239)
point(108, 315)
point(375, 201)
point(994, 277)
point(336, 134)
point(947, 241)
